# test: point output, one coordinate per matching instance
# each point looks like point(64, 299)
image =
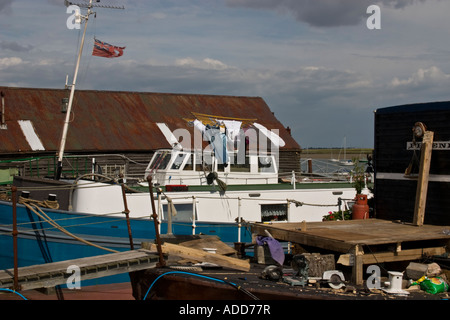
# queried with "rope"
point(45, 204)
point(296, 202)
point(38, 211)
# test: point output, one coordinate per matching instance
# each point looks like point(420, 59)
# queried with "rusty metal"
point(162, 262)
point(14, 234)
point(127, 215)
point(115, 121)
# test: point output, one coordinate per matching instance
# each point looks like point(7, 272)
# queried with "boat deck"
point(168, 283)
point(363, 242)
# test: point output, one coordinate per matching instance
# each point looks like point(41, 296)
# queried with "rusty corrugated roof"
point(118, 121)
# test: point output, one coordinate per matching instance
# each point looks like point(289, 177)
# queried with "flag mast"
point(72, 89)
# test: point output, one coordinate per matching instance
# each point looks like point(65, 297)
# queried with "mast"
point(72, 89)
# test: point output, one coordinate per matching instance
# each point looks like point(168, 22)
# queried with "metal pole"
point(239, 219)
point(14, 234)
point(72, 93)
point(127, 215)
point(162, 262)
point(294, 180)
point(160, 211)
point(169, 215)
point(193, 216)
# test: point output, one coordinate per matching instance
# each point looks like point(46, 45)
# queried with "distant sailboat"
point(333, 159)
point(346, 162)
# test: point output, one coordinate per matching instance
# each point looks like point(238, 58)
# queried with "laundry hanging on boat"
point(216, 137)
point(106, 50)
point(276, 139)
point(218, 140)
point(233, 129)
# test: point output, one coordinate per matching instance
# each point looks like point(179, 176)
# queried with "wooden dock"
point(363, 242)
point(56, 273)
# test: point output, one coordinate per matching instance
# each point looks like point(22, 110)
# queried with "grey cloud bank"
point(315, 63)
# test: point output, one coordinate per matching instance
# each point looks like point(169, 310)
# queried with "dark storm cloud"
point(14, 46)
point(322, 13)
point(5, 6)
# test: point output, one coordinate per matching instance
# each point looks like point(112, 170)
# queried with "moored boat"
point(95, 211)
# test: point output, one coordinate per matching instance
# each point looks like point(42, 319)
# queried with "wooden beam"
point(357, 274)
point(404, 255)
point(200, 256)
point(422, 183)
point(303, 238)
point(379, 257)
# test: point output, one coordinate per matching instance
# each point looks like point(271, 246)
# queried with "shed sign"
point(437, 145)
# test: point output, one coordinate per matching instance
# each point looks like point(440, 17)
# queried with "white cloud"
point(206, 63)
point(421, 77)
point(9, 62)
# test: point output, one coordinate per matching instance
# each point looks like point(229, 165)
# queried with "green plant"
point(338, 215)
point(359, 176)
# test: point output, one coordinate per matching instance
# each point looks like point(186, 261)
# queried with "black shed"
point(397, 148)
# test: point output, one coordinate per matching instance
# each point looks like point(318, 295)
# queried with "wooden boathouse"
point(112, 132)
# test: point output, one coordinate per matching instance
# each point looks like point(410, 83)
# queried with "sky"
point(316, 63)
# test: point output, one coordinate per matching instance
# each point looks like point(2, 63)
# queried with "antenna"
point(90, 5)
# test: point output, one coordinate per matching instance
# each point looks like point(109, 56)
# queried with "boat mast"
point(72, 92)
point(72, 89)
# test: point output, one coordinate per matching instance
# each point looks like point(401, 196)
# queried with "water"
point(326, 167)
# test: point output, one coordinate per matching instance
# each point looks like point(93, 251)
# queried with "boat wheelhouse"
point(192, 167)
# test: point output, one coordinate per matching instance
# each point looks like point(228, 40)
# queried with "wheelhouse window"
point(189, 164)
point(265, 164)
point(238, 164)
point(178, 161)
point(160, 161)
point(274, 212)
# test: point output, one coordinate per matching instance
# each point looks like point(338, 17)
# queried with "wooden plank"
point(53, 274)
point(343, 235)
point(201, 256)
point(379, 257)
point(210, 242)
point(404, 255)
point(304, 238)
point(422, 183)
point(357, 272)
point(61, 266)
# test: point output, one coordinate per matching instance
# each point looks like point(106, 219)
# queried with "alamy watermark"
point(374, 21)
point(74, 20)
point(374, 280)
point(74, 280)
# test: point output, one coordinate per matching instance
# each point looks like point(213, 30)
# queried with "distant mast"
point(72, 88)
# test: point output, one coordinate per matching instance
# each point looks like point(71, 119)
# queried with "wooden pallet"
point(363, 241)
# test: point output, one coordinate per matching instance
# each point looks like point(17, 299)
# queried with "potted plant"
point(359, 177)
point(360, 209)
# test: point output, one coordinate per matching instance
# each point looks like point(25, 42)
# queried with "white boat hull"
point(309, 204)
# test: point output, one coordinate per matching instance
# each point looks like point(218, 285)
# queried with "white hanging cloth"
point(276, 139)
